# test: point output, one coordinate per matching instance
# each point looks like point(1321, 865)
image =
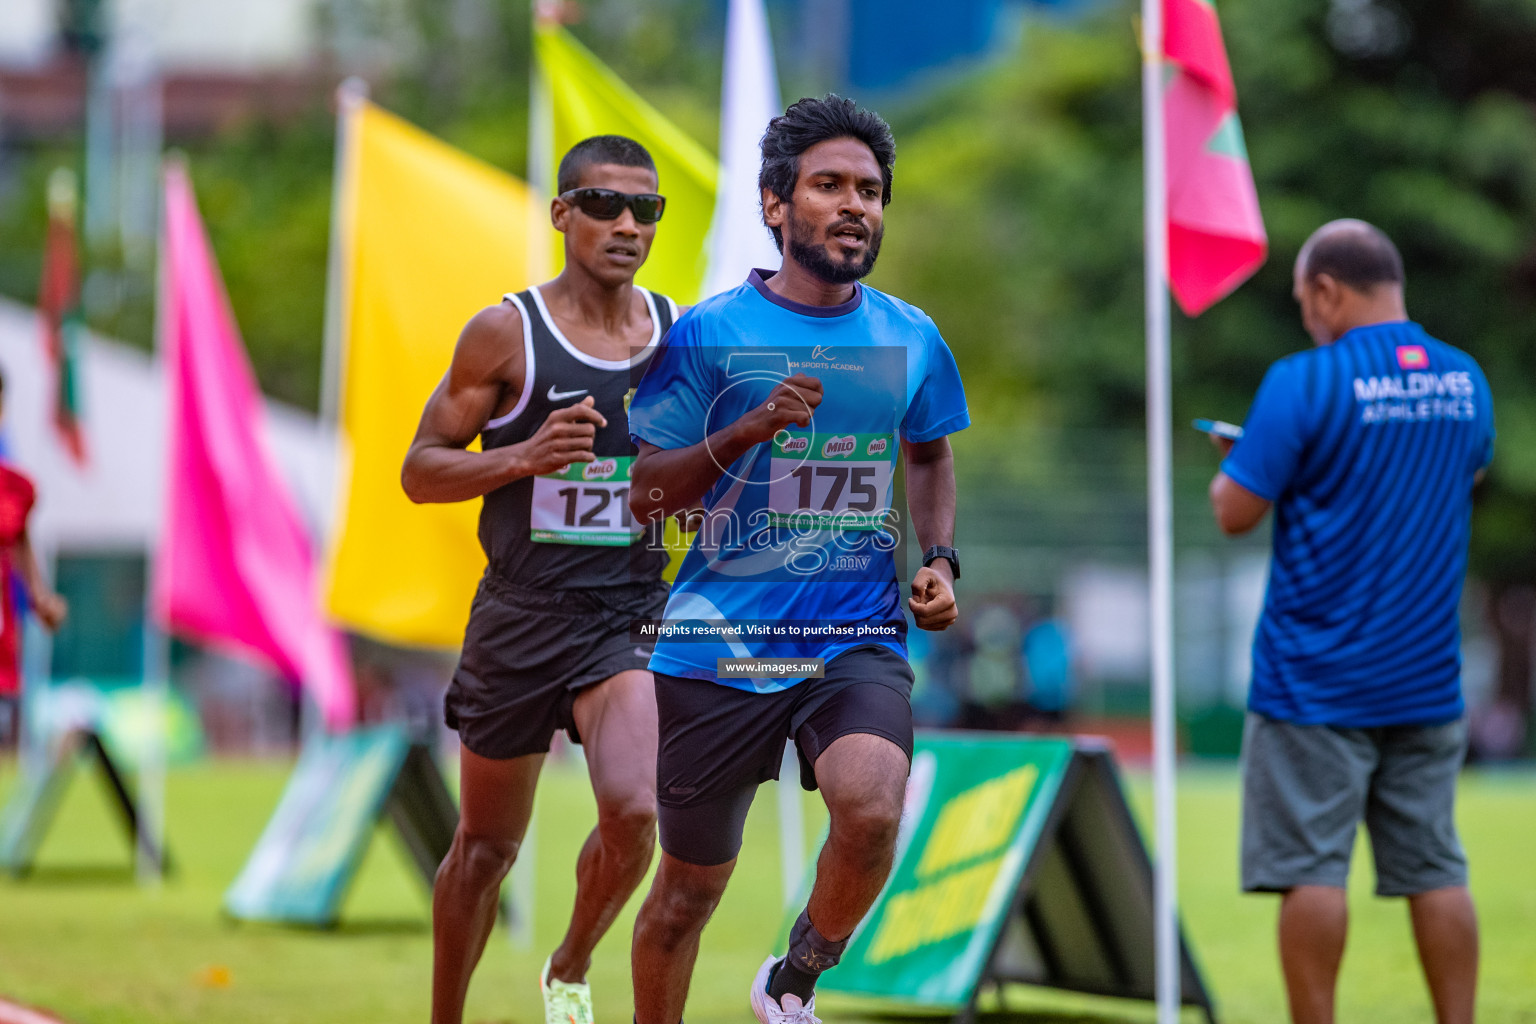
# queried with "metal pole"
point(137, 82)
point(100, 142)
point(154, 757)
point(350, 96)
point(157, 661)
point(791, 827)
point(541, 155)
point(1160, 516)
point(522, 880)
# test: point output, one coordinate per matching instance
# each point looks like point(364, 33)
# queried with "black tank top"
point(571, 530)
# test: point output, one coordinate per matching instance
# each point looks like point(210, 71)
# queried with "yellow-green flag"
point(428, 236)
point(586, 98)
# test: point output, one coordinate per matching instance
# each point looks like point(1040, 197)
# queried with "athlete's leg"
point(716, 745)
point(863, 779)
point(617, 722)
point(681, 900)
point(495, 802)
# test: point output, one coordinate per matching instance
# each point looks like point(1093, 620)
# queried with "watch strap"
point(949, 554)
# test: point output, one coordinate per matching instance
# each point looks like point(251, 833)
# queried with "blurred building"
point(206, 35)
point(218, 61)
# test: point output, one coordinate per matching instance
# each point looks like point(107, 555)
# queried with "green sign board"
point(44, 780)
point(136, 722)
point(340, 789)
point(1018, 861)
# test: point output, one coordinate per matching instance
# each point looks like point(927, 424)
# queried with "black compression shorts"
point(718, 743)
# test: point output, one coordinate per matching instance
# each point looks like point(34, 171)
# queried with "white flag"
point(749, 98)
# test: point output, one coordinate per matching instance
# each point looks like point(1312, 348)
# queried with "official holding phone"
point(1368, 446)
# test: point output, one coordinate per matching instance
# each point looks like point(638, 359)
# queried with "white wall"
point(180, 35)
point(28, 31)
point(222, 35)
point(114, 503)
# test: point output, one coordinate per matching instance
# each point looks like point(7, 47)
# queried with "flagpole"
point(351, 94)
point(156, 666)
point(541, 150)
point(522, 880)
point(1160, 514)
point(749, 98)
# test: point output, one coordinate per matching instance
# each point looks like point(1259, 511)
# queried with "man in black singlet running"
point(541, 379)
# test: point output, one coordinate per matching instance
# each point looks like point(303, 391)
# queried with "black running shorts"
point(528, 652)
point(718, 743)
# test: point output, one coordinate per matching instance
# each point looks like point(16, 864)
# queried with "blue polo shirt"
point(1369, 448)
point(796, 551)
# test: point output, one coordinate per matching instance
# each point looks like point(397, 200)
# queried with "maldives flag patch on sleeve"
point(1412, 357)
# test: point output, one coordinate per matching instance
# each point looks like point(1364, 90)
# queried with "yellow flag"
point(586, 98)
point(429, 236)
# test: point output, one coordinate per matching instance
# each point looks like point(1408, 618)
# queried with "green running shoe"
point(565, 1003)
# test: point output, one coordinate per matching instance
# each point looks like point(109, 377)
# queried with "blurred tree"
point(1018, 227)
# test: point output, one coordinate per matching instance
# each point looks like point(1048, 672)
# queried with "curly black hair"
point(809, 121)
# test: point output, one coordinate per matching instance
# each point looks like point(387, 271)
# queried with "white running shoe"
point(564, 1002)
point(788, 1010)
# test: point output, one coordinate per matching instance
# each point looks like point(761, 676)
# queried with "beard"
point(814, 257)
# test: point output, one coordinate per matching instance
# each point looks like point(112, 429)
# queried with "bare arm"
point(488, 362)
point(931, 501)
point(679, 477)
point(51, 609)
point(1237, 509)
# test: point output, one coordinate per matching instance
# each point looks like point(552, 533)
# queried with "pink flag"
point(1215, 232)
point(235, 568)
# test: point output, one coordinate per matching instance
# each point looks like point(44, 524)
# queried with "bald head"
point(1353, 253)
point(1348, 275)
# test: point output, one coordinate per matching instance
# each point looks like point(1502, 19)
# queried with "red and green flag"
point(59, 307)
point(1215, 232)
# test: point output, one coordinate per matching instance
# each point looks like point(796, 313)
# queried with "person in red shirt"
point(17, 495)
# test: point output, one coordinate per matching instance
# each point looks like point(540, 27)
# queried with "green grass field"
point(82, 940)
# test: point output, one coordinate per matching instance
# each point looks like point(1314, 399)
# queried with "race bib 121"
point(588, 503)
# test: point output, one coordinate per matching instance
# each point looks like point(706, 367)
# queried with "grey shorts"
point(1307, 788)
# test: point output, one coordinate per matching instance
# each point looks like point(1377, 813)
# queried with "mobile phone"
point(1230, 431)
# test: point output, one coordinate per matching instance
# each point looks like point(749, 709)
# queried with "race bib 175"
point(831, 481)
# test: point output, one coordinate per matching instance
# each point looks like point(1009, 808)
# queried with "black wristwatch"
point(949, 555)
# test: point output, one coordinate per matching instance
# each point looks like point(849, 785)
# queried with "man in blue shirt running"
point(1368, 447)
point(779, 408)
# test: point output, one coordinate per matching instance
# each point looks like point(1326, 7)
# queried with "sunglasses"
point(607, 204)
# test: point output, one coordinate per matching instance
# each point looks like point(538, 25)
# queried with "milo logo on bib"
point(835, 446)
point(830, 481)
point(602, 469)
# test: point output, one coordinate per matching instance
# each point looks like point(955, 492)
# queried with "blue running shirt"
point(1369, 448)
point(792, 531)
